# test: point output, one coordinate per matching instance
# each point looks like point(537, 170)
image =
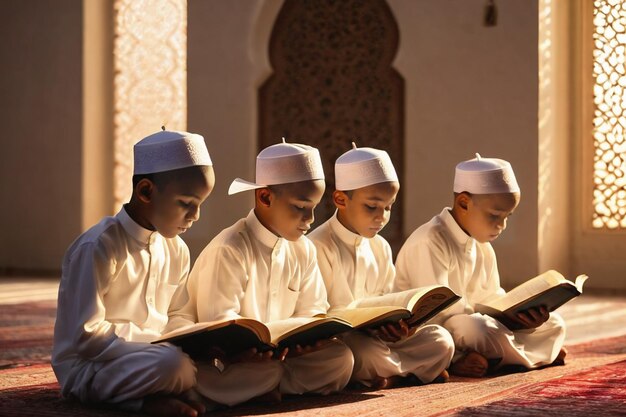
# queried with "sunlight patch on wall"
point(609, 120)
point(150, 81)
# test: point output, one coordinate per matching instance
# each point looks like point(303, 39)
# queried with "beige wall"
point(226, 63)
point(41, 118)
point(456, 104)
point(469, 88)
point(459, 100)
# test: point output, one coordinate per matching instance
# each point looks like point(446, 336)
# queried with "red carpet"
point(592, 383)
point(598, 391)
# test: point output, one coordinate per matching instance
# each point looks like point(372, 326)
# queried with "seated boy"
point(263, 267)
point(356, 263)
point(454, 249)
point(118, 281)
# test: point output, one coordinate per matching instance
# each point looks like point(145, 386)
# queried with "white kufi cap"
point(485, 176)
point(282, 163)
point(360, 167)
point(168, 150)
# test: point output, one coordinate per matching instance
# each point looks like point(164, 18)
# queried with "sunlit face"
point(176, 204)
point(287, 209)
point(486, 215)
point(365, 211)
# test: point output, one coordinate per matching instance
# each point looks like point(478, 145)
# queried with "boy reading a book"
point(356, 263)
point(118, 281)
point(264, 268)
point(454, 249)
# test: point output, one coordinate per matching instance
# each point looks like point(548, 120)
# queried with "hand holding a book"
point(393, 332)
point(299, 350)
point(253, 355)
point(533, 317)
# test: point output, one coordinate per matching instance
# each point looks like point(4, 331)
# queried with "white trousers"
point(425, 354)
point(239, 382)
point(319, 372)
point(487, 336)
point(124, 381)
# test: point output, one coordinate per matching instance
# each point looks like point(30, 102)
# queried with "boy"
point(356, 263)
point(119, 278)
point(454, 249)
point(263, 267)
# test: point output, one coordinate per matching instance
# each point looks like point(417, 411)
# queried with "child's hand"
point(299, 350)
point(281, 355)
point(393, 332)
point(534, 317)
point(251, 355)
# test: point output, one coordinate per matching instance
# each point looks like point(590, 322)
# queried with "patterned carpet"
point(592, 383)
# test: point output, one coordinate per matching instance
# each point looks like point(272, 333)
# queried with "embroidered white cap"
point(169, 150)
point(360, 167)
point(282, 163)
point(485, 176)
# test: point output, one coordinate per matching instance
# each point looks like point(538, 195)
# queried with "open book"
point(236, 335)
point(549, 289)
point(416, 306)
point(232, 336)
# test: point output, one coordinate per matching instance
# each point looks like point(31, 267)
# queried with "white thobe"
point(440, 252)
point(117, 283)
point(354, 268)
point(247, 271)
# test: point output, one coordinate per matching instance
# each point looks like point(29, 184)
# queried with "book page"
point(371, 316)
point(527, 290)
point(282, 327)
point(431, 303)
point(580, 280)
point(400, 299)
point(230, 336)
point(193, 328)
point(305, 330)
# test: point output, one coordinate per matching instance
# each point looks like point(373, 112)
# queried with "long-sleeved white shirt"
point(440, 252)
point(353, 267)
point(247, 271)
point(117, 284)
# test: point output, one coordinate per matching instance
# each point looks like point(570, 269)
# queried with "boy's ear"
point(264, 196)
point(144, 190)
point(339, 198)
point(463, 200)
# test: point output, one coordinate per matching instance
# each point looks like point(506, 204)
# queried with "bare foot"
point(380, 382)
point(560, 358)
point(396, 381)
point(473, 365)
point(444, 376)
point(167, 407)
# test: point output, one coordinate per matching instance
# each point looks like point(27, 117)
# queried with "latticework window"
point(150, 84)
point(609, 117)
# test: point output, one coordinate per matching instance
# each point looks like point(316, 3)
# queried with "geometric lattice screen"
point(609, 119)
point(150, 80)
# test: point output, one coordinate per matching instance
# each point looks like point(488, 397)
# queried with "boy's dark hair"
point(160, 179)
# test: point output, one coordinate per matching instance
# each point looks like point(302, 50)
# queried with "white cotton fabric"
point(247, 271)
point(353, 268)
point(170, 150)
point(440, 252)
point(360, 167)
point(117, 283)
point(485, 176)
point(282, 163)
